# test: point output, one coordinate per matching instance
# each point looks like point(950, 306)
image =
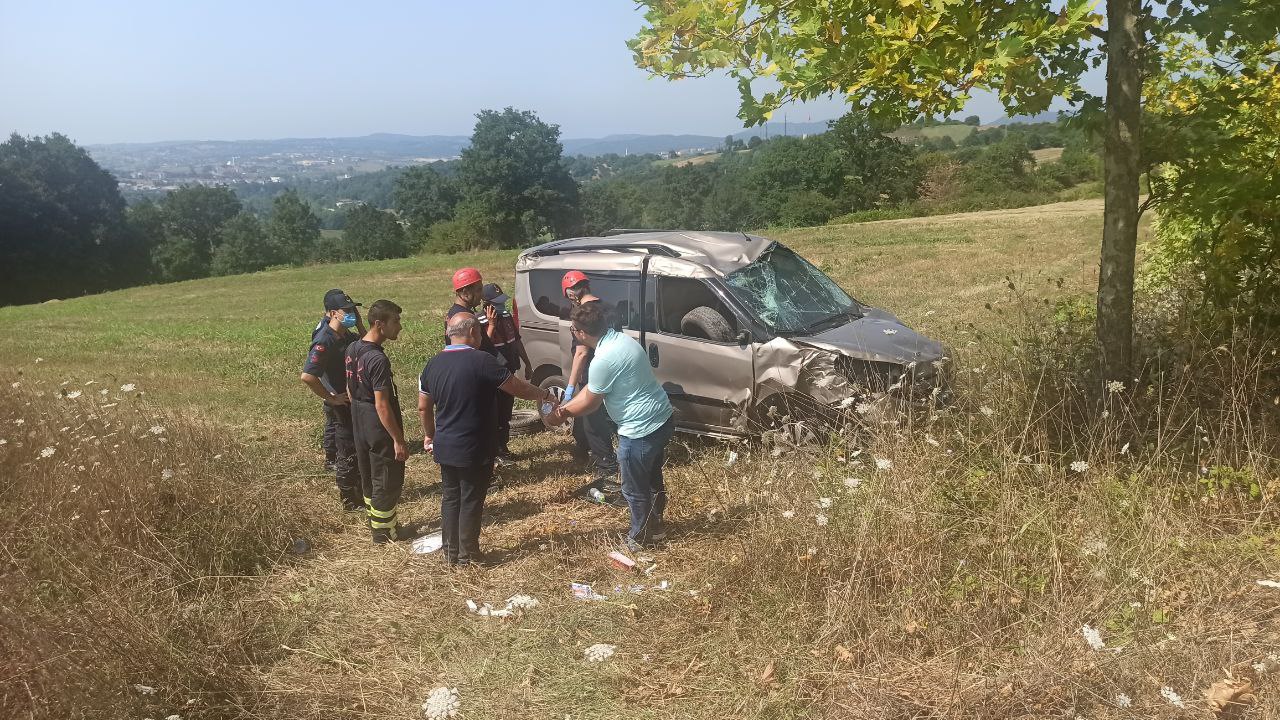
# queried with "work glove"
point(568, 394)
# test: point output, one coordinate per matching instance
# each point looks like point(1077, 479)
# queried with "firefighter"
point(324, 373)
point(594, 430)
point(378, 423)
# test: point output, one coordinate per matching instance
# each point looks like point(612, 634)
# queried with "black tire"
point(704, 322)
point(526, 422)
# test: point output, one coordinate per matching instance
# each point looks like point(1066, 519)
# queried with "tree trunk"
point(1120, 180)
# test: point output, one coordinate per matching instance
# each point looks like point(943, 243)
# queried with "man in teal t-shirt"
point(621, 378)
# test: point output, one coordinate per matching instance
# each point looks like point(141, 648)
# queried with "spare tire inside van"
point(707, 323)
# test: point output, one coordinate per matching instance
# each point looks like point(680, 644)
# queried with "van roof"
point(723, 252)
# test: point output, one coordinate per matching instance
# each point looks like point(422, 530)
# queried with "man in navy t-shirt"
point(455, 404)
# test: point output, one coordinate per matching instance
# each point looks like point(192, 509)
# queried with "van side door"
point(692, 339)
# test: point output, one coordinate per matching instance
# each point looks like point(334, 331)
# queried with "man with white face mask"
point(325, 374)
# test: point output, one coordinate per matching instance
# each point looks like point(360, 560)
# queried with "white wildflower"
point(863, 408)
point(1079, 466)
point(1092, 636)
point(883, 463)
point(442, 702)
point(1115, 386)
point(986, 411)
point(73, 395)
point(1260, 668)
point(852, 482)
point(821, 519)
point(824, 502)
point(1172, 697)
point(1125, 449)
point(156, 430)
point(47, 452)
point(103, 392)
point(19, 421)
point(599, 652)
point(890, 331)
point(166, 474)
point(76, 488)
point(15, 385)
point(128, 387)
point(788, 514)
point(1122, 701)
point(1106, 414)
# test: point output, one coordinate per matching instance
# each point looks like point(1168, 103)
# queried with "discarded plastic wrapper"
point(583, 591)
point(514, 603)
point(622, 562)
point(428, 543)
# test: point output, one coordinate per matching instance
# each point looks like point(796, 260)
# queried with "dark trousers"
point(505, 403)
point(330, 442)
point(381, 475)
point(461, 508)
point(642, 483)
point(595, 433)
point(338, 425)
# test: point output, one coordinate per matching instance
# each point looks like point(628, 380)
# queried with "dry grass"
point(951, 582)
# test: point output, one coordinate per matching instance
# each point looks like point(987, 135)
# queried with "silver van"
point(742, 332)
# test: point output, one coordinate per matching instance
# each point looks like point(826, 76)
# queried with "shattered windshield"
point(789, 294)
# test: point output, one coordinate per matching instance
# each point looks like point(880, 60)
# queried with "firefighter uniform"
point(381, 475)
point(325, 361)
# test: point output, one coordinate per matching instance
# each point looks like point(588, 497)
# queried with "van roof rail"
point(630, 231)
point(650, 248)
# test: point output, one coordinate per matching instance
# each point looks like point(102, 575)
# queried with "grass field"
point(948, 580)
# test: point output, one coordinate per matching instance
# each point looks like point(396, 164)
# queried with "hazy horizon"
point(172, 72)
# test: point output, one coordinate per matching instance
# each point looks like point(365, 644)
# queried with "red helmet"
point(571, 278)
point(465, 277)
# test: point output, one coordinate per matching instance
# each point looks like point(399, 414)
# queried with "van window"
point(621, 297)
point(545, 292)
point(689, 307)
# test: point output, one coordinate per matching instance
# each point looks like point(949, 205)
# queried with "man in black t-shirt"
point(324, 373)
point(468, 291)
point(377, 421)
point(593, 432)
point(455, 404)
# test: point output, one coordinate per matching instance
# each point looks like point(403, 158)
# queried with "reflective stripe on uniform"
point(379, 519)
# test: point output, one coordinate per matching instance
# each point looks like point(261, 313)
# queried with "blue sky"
point(143, 70)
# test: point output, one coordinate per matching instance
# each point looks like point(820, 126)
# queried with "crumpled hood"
point(866, 339)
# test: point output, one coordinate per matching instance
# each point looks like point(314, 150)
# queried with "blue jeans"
point(640, 460)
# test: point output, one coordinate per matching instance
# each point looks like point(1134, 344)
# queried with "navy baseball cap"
point(493, 294)
point(337, 300)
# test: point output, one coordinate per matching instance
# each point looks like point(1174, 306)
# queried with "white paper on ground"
point(428, 543)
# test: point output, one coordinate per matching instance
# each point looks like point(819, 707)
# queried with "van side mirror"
point(744, 338)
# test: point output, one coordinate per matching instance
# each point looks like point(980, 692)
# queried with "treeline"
point(67, 230)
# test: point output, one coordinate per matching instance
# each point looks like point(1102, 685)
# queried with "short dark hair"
point(383, 310)
point(590, 319)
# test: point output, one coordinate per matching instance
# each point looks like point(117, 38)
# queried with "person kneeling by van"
point(456, 403)
point(620, 376)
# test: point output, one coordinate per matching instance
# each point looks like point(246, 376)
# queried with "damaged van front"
point(826, 346)
point(742, 332)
